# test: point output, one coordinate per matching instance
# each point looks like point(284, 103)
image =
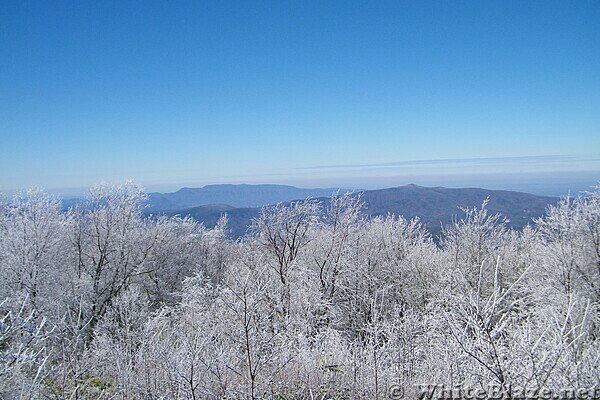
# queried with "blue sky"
point(175, 93)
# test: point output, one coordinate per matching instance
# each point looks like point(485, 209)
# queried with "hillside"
point(437, 206)
point(239, 218)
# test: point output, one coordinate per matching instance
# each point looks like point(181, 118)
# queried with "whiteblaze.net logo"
point(493, 392)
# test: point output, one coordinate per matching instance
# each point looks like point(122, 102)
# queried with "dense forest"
point(314, 302)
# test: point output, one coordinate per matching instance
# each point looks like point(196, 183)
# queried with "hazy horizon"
point(458, 174)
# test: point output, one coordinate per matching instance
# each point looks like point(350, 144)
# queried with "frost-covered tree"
point(283, 231)
point(32, 248)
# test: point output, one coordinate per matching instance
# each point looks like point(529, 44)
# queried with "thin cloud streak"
point(549, 160)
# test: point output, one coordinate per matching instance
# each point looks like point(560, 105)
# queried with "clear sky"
point(187, 93)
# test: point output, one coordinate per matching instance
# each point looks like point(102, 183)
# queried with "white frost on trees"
point(315, 302)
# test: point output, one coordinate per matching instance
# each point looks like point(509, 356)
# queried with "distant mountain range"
point(232, 195)
point(435, 206)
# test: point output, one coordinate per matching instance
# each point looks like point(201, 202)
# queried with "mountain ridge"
point(435, 206)
point(243, 195)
